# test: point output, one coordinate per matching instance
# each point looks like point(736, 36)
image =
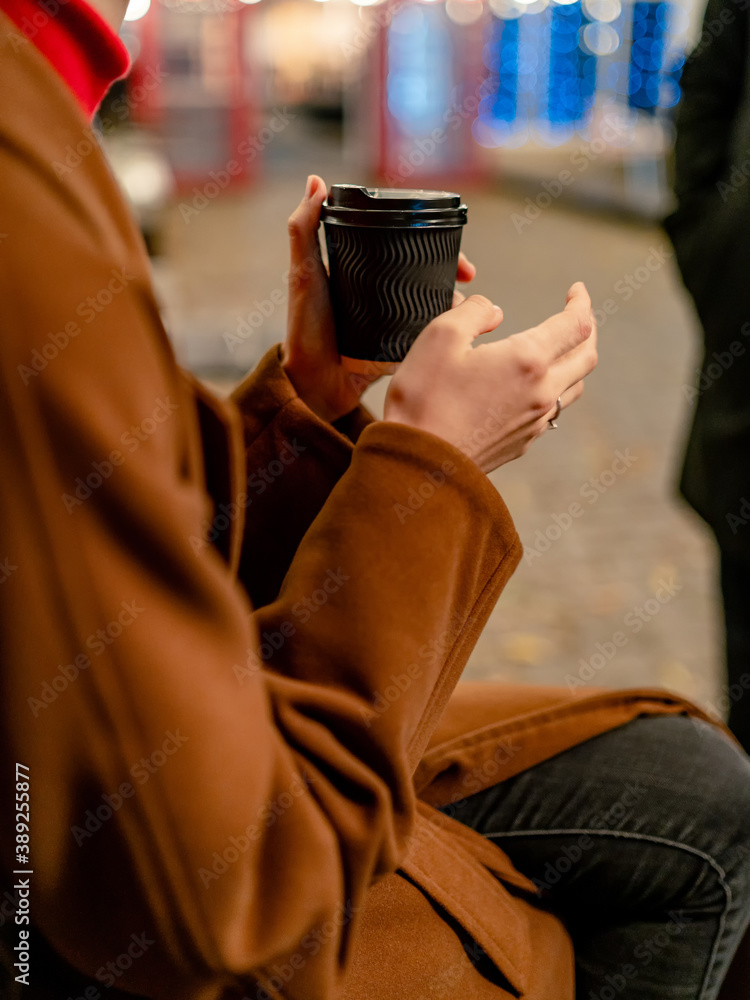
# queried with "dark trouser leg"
point(640, 840)
point(735, 588)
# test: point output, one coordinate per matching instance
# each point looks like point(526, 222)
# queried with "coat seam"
point(462, 915)
point(564, 710)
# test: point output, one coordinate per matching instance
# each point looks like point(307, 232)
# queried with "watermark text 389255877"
point(22, 886)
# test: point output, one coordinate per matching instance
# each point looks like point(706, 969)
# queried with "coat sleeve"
point(293, 460)
point(213, 788)
point(268, 483)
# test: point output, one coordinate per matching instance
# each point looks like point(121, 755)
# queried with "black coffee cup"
point(393, 257)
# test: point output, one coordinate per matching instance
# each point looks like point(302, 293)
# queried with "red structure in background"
point(426, 73)
point(192, 85)
point(416, 73)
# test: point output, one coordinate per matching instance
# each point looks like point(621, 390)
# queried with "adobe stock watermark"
point(715, 366)
point(121, 107)
point(260, 311)
point(7, 569)
point(271, 641)
point(247, 149)
point(488, 772)
point(376, 20)
point(634, 621)
point(94, 819)
point(76, 153)
point(732, 694)
point(87, 310)
point(109, 973)
point(614, 129)
point(644, 953)
point(478, 437)
point(431, 652)
point(131, 440)
point(239, 844)
point(9, 907)
point(39, 20)
point(425, 147)
point(259, 480)
point(632, 282)
point(584, 841)
point(98, 642)
point(434, 479)
point(265, 308)
point(282, 973)
point(591, 491)
point(740, 518)
point(715, 28)
point(416, 498)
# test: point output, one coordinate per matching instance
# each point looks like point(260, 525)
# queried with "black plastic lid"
point(392, 208)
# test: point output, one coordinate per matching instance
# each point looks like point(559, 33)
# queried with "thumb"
point(475, 316)
point(303, 225)
point(456, 330)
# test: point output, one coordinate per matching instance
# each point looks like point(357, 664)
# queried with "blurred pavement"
point(571, 613)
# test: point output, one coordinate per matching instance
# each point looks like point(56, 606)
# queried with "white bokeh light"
point(601, 39)
point(464, 11)
point(137, 9)
point(508, 10)
point(602, 10)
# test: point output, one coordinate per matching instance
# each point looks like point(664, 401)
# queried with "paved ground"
point(582, 606)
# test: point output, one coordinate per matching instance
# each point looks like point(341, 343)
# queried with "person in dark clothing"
point(710, 230)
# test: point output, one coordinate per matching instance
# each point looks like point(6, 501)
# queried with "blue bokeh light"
point(572, 72)
point(501, 59)
point(419, 49)
point(543, 66)
point(650, 27)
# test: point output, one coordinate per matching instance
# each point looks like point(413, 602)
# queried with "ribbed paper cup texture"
point(388, 282)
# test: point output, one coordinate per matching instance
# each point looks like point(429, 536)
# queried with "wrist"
point(418, 415)
point(401, 408)
point(304, 384)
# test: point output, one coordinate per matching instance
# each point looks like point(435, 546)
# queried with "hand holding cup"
point(310, 353)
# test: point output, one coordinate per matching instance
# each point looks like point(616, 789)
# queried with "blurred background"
point(554, 121)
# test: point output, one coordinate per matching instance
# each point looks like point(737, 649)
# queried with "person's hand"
point(309, 354)
point(493, 400)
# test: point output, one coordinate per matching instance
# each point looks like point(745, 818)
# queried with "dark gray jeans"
point(640, 840)
point(735, 589)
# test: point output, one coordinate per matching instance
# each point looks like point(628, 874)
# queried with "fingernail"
point(308, 189)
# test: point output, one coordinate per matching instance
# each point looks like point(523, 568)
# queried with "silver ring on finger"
point(553, 421)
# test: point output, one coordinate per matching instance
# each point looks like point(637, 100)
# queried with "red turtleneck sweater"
point(78, 43)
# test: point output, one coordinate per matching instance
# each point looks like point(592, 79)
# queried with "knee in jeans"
point(723, 776)
point(708, 772)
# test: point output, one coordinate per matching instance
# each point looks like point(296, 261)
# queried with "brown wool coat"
point(268, 826)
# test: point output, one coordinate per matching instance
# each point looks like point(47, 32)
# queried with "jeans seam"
point(654, 840)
